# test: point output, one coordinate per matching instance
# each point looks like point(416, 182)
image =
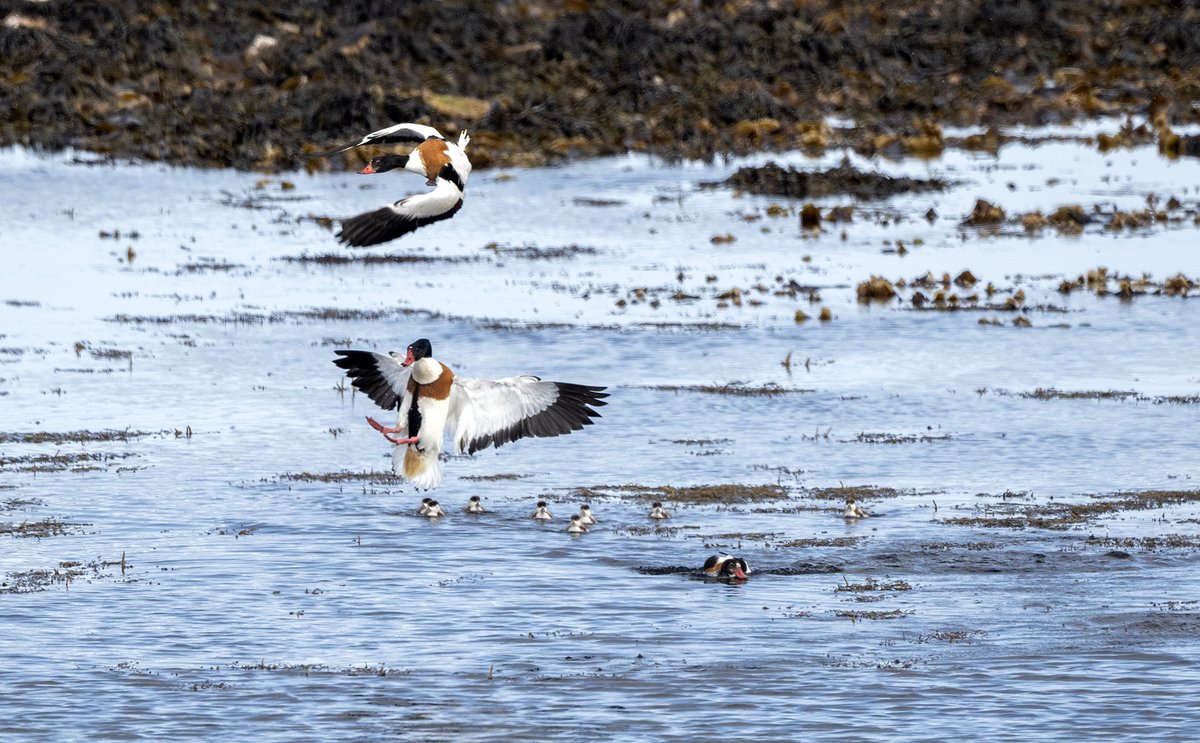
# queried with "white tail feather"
point(464, 139)
point(421, 468)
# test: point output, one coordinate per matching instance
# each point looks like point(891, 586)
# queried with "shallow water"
point(253, 603)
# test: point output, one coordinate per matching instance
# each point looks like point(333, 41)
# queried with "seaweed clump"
point(722, 494)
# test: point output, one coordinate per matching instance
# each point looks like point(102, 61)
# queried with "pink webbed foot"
point(382, 428)
point(387, 432)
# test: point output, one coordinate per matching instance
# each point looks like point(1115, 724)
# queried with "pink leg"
point(382, 428)
point(411, 440)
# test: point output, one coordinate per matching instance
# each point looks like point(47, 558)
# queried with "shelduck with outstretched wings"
point(478, 413)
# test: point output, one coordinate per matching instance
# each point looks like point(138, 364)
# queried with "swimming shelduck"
point(434, 510)
point(658, 512)
point(478, 412)
point(542, 512)
point(854, 511)
point(576, 526)
point(445, 167)
point(474, 506)
point(735, 568)
point(725, 566)
point(424, 506)
point(585, 515)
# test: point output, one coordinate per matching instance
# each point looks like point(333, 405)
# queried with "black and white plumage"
point(725, 566)
point(445, 166)
point(430, 399)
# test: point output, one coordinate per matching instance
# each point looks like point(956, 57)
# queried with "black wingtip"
point(385, 224)
point(336, 150)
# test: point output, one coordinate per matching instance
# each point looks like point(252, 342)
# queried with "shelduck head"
point(417, 350)
point(734, 568)
point(384, 163)
point(576, 526)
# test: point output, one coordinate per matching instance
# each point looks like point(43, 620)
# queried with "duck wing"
point(397, 134)
point(493, 412)
point(380, 376)
point(402, 217)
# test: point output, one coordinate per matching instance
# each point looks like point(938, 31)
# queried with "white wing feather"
point(480, 408)
point(403, 132)
point(391, 135)
point(431, 204)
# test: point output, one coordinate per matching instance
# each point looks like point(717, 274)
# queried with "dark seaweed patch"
point(898, 438)
point(697, 494)
point(736, 390)
point(369, 477)
point(857, 492)
point(371, 259)
point(1060, 516)
point(771, 179)
point(40, 529)
point(44, 437)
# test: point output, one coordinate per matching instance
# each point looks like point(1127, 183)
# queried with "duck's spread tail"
point(422, 468)
point(464, 139)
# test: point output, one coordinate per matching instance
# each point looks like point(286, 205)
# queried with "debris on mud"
point(1059, 516)
point(41, 529)
point(61, 461)
point(1050, 393)
point(1128, 287)
point(857, 492)
point(1074, 219)
point(877, 289)
point(328, 477)
point(898, 438)
point(772, 180)
point(735, 390)
point(375, 259)
point(726, 493)
point(820, 542)
point(860, 615)
point(50, 437)
point(30, 581)
point(873, 585)
point(1149, 544)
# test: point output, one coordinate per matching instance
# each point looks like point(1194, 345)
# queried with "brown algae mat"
point(727, 493)
point(232, 84)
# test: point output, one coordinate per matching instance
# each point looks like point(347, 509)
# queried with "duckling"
point(424, 508)
point(854, 511)
point(576, 526)
point(434, 510)
point(658, 512)
point(542, 513)
point(474, 506)
point(585, 515)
